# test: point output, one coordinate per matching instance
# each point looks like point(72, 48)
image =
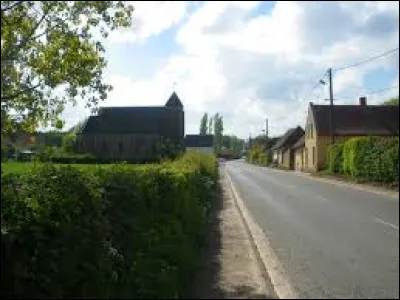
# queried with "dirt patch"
point(230, 268)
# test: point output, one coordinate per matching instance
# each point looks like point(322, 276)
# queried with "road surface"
point(333, 241)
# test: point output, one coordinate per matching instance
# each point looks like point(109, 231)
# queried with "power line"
point(367, 60)
point(371, 92)
point(382, 90)
point(320, 81)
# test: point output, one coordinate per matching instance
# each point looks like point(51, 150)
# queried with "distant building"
point(283, 153)
point(133, 133)
point(348, 121)
point(298, 149)
point(198, 142)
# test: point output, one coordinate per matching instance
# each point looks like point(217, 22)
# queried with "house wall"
point(120, 146)
point(299, 159)
point(323, 143)
point(209, 150)
point(310, 162)
point(274, 155)
point(318, 144)
point(287, 158)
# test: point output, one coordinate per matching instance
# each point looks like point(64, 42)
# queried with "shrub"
point(372, 158)
point(256, 155)
point(335, 158)
point(263, 159)
point(119, 232)
point(68, 142)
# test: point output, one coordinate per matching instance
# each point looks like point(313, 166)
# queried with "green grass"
point(16, 167)
point(21, 167)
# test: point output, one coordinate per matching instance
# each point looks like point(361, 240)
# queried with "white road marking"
point(274, 268)
point(386, 223)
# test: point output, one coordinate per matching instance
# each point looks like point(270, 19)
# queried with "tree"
point(392, 101)
point(218, 133)
point(203, 124)
point(210, 125)
point(51, 55)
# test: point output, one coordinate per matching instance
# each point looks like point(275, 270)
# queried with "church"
point(133, 133)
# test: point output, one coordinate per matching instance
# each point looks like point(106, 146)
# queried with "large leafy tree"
point(52, 54)
point(218, 133)
point(210, 125)
point(203, 124)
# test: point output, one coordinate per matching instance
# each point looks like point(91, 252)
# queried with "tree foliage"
point(68, 142)
point(210, 125)
point(218, 133)
point(203, 124)
point(52, 54)
point(233, 145)
point(392, 101)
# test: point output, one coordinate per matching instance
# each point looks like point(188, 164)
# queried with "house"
point(299, 156)
point(348, 121)
point(133, 133)
point(199, 142)
point(283, 153)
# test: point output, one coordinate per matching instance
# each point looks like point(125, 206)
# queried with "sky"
point(250, 60)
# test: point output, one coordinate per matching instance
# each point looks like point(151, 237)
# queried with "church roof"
point(143, 120)
point(138, 120)
point(174, 101)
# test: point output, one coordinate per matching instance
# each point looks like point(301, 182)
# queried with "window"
point(306, 157)
point(120, 147)
point(313, 155)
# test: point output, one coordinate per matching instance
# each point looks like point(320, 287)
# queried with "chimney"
point(363, 101)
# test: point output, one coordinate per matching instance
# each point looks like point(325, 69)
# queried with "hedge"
point(120, 232)
point(335, 158)
point(372, 158)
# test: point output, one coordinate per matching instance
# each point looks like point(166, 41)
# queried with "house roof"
point(174, 101)
point(271, 142)
point(300, 143)
point(289, 138)
point(199, 140)
point(357, 119)
point(126, 120)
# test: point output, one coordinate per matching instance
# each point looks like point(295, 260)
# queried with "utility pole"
point(266, 134)
point(331, 124)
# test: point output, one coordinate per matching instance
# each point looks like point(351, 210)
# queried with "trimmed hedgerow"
point(119, 232)
point(335, 158)
point(372, 158)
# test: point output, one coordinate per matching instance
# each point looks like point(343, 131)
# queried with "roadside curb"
point(272, 270)
point(359, 186)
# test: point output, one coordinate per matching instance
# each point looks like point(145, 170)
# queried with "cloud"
point(249, 66)
point(151, 18)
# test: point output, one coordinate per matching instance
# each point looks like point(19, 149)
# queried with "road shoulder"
point(230, 266)
point(379, 190)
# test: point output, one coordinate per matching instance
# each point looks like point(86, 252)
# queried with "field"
point(21, 167)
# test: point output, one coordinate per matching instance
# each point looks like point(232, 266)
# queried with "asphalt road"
point(332, 241)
